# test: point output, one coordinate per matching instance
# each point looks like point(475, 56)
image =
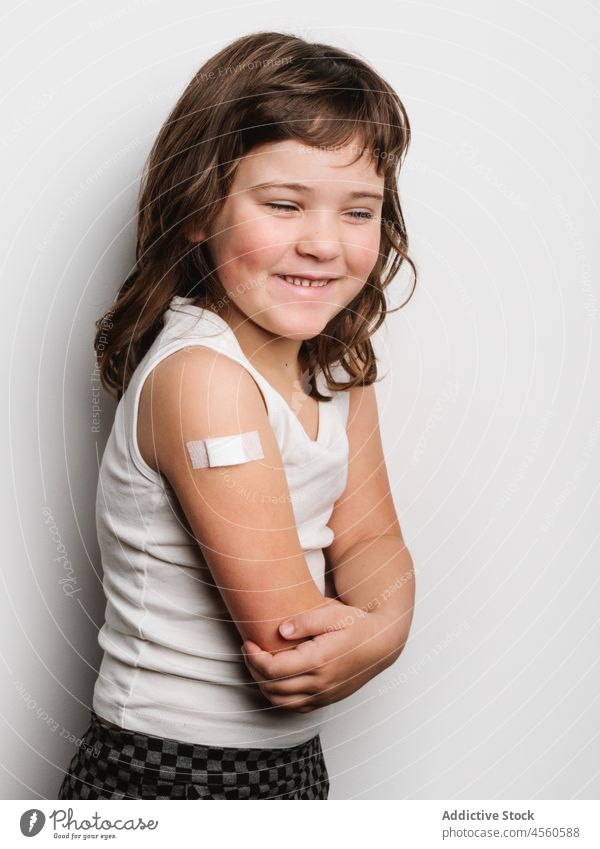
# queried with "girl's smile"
point(306, 287)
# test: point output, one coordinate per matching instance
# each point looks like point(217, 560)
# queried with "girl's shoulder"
point(185, 318)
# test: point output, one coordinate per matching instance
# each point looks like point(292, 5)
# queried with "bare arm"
point(241, 515)
point(377, 576)
point(371, 567)
point(373, 575)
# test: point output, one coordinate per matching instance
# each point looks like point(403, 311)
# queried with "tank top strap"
point(191, 321)
point(187, 323)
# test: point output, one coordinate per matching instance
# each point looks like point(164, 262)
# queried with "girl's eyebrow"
point(300, 187)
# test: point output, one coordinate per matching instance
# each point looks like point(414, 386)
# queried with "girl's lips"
point(305, 291)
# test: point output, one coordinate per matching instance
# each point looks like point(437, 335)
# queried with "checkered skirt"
point(114, 763)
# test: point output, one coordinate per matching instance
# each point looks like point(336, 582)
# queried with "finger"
point(300, 660)
point(258, 677)
point(299, 702)
point(257, 660)
point(319, 620)
point(251, 648)
point(290, 686)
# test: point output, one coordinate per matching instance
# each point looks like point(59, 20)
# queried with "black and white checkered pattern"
point(113, 763)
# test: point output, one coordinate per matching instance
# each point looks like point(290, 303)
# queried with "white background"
point(489, 403)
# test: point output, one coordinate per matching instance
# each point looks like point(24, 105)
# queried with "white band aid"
point(225, 450)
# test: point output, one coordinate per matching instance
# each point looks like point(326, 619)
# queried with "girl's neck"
point(271, 355)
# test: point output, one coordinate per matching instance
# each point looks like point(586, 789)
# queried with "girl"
point(244, 465)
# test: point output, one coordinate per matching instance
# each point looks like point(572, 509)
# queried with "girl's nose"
point(320, 236)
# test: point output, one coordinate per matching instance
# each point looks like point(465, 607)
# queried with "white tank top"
point(172, 663)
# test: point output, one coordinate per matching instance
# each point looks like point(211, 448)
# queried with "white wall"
point(490, 420)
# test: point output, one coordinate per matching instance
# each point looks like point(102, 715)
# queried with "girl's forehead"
point(296, 163)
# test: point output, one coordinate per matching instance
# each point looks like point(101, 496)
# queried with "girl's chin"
point(297, 323)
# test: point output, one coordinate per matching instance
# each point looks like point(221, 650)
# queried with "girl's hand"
point(345, 651)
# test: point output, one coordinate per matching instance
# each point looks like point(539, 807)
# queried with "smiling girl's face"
point(325, 226)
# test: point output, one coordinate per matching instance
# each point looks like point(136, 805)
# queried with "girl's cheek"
point(363, 258)
point(254, 239)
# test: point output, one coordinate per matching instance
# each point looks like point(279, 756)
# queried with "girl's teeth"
point(301, 281)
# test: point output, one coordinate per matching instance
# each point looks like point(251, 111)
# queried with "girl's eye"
point(363, 214)
point(280, 206)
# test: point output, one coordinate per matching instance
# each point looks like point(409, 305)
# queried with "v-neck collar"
point(188, 304)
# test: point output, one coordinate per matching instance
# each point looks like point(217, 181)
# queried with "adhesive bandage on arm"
point(225, 450)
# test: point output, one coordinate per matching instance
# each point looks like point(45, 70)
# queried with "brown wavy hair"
point(262, 87)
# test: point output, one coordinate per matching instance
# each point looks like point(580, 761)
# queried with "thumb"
point(318, 620)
